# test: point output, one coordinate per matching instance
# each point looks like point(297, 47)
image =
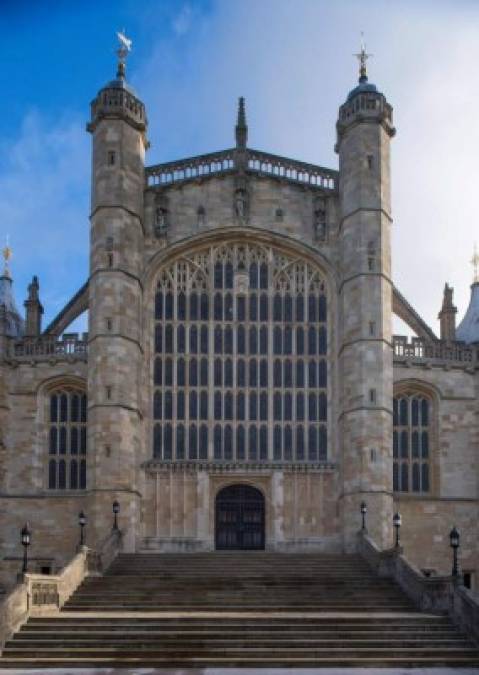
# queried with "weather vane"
point(362, 57)
point(7, 254)
point(475, 264)
point(122, 52)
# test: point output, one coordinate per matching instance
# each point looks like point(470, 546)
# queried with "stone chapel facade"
point(239, 385)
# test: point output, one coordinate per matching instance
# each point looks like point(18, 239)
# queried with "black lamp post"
point(116, 511)
point(454, 539)
point(26, 538)
point(82, 523)
point(364, 510)
point(397, 520)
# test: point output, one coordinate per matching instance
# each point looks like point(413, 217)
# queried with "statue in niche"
point(320, 228)
point(201, 213)
point(161, 221)
point(241, 204)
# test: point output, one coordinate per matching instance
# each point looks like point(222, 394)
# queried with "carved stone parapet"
point(45, 593)
point(161, 466)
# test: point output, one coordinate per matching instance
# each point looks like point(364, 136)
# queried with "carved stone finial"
point(362, 57)
point(33, 289)
point(447, 315)
point(241, 130)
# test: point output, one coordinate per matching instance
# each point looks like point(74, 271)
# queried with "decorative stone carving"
point(241, 204)
point(319, 220)
point(201, 217)
point(161, 216)
point(45, 594)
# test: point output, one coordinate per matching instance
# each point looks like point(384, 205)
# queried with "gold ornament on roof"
point(475, 264)
point(362, 57)
point(122, 52)
point(7, 254)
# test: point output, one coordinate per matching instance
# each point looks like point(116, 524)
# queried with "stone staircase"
point(255, 609)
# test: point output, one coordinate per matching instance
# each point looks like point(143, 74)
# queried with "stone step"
point(232, 610)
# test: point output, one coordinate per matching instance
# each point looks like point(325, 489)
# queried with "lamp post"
point(454, 539)
point(82, 523)
point(116, 511)
point(397, 521)
point(364, 510)
point(26, 538)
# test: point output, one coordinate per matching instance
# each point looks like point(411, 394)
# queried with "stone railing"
point(44, 594)
point(253, 161)
point(190, 168)
point(46, 346)
point(419, 349)
point(368, 102)
point(292, 170)
point(430, 594)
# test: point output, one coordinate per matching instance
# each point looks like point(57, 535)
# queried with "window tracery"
point(240, 370)
point(411, 443)
point(67, 439)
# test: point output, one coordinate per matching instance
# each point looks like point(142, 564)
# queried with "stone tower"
point(364, 129)
point(118, 127)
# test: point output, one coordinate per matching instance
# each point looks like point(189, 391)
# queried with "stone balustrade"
point(45, 594)
point(419, 349)
point(46, 346)
point(191, 168)
point(254, 161)
point(436, 594)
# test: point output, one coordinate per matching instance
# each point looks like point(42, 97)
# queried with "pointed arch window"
point(240, 362)
point(67, 449)
point(411, 443)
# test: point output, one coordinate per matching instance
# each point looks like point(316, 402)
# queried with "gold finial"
point(475, 264)
point(362, 57)
point(7, 254)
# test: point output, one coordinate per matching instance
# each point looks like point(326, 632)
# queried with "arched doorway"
point(240, 521)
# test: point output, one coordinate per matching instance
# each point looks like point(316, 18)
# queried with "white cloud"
point(293, 62)
point(44, 185)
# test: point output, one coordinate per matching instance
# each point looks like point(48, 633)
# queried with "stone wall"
point(300, 506)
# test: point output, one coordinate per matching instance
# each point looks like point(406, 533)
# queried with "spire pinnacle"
point(7, 254)
point(122, 52)
point(241, 130)
point(475, 264)
point(362, 57)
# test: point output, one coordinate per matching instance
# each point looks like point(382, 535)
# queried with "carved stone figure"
point(241, 204)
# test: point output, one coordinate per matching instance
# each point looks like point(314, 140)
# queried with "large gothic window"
point(67, 417)
point(240, 366)
point(411, 443)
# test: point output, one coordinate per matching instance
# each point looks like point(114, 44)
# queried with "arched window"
point(240, 358)
point(411, 443)
point(67, 421)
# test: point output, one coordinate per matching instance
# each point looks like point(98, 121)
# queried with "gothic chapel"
point(239, 387)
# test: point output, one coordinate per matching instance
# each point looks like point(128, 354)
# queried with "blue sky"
point(191, 59)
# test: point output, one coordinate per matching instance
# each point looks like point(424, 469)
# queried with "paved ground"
point(245, 671)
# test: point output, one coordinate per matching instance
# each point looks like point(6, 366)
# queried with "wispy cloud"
point(44, 186)
point(183, 20)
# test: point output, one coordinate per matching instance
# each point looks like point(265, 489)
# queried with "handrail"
point(43, 594)
point(430, 594)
